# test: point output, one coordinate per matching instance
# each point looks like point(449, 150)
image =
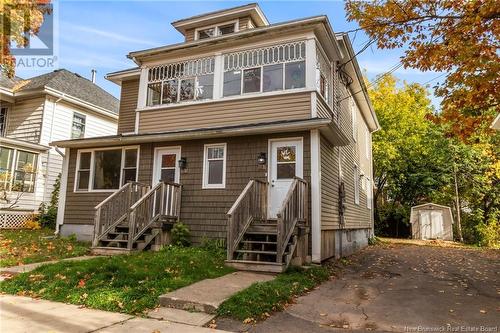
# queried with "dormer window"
point(216, 30)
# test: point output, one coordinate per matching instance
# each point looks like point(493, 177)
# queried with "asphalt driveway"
point(399, 287)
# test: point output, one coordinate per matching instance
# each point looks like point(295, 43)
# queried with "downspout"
point(54, 105)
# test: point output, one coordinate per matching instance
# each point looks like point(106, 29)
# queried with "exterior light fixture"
point(182, 163)
point(262, 159)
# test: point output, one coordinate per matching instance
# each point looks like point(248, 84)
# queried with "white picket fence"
point(14, 219)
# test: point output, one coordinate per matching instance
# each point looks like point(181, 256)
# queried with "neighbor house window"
point(78, 126)
point(17, 170)
point(354, 116)
point(217, 30)
point(3, 121)
point(214, 166)
point(369, 194)
point(106, 169)
point(367, 143)
point(24, 172)
point(267, 69)
point(180, 82)
point(6, 157)
point(356, 184)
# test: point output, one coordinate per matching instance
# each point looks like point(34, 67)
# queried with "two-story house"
point(254, 133)
point(34, 112)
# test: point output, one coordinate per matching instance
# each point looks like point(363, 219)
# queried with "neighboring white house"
point(34, 112)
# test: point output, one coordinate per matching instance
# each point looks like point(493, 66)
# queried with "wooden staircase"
point(256, 243)
point(132, 218)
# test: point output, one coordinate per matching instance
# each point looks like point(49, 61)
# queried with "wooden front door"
point(285, 164)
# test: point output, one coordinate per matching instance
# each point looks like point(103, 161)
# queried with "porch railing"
point(251, 205)
point(114, 209)
point(162, 201)
point(294, 210)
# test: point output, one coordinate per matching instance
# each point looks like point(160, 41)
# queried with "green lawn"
point(262, 298)
point(19, 247)
point(127, 283)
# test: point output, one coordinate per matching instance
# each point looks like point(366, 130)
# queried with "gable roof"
point(9, 83)
point(68, 83)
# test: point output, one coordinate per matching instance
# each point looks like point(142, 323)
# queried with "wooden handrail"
point(293, 210)
point(251, 205)
point(163, 200)
point(114, 209)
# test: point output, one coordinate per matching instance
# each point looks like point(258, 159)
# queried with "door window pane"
point(168, 160)
point(286, 154)
point(187, 90)
point(295, 75)
point(273, 78)
point(154, 90)
point(232, 83)
point(167, 175)
point(251, 80)
point(285, 171)
point(107, 169)
point(170, 91)
point(205, 88)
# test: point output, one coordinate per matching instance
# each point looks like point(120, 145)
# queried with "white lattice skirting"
point(14, 219)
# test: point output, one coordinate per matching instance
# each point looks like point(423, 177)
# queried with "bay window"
point(106, 169)
point(214, 166)
point(17, 170)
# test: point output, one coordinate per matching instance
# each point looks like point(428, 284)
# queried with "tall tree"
point(460, 37)
point(18, 20)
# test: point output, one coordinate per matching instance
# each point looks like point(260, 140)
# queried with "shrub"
point(32, 224)
point(180, 235)
point(48, 212)
point(489, 232)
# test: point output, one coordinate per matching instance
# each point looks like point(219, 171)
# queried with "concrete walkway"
point(29, 267)
point(207, 295)
point(23, 314)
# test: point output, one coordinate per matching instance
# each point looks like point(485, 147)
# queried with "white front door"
point(166, 165)
point(285, 164)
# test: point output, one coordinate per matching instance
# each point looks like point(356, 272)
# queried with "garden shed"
point(431, 221)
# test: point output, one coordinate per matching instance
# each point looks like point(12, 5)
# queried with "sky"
point(99, 34)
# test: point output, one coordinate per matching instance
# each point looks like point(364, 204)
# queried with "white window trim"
point(354, 117)
point(236, 23)
point(7, 110)
point(356, 184)
point(205, 166)
point(78, 114)
point(92, 168)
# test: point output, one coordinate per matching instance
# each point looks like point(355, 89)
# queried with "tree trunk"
point(457, 204)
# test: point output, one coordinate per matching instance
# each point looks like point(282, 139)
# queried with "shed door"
point(425, 224)
point(437, 224)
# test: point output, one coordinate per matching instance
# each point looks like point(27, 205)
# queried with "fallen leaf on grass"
point(483, 311)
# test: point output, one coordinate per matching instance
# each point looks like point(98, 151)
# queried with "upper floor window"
point(78, 126)
point(263, 70)
point(216, 30)
point(367, 143)
point(3, 121)
point(354, 116)
point(356, 184)
point(323, 75)
point(182, 81)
